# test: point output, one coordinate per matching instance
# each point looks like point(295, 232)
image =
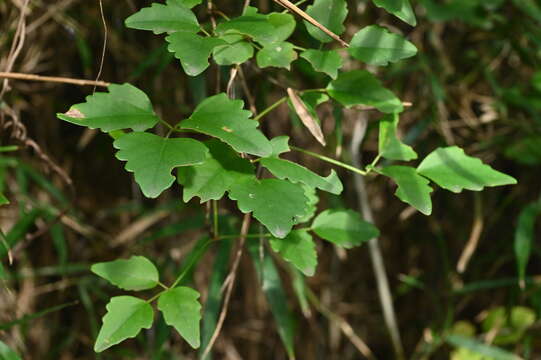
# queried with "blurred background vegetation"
point(476, 82)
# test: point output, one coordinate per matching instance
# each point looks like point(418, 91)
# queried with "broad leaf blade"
point(327, 62)
point(524, 237)
point(275, 295)
point(276, 55)
point(275, 203)
point(135, 273)
point(359, 87)
point(399, 8)
point(285, 169)
point(226, 119)
point(344, 228)
point(182, 310)
point(390, 146)
point(3, 200)
point(192, 50)
point(125, 317)
point(124, 107)
point(299, 249)
point(6, 353)
point(152, 158)
point(329, 13)
point(236, 51)
point(160, 18)
point(480, 348)
point(453, 170)
point(211, 179)
point(376, 45)
point(412, 187)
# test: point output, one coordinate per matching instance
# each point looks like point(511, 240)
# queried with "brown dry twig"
point(52, 79)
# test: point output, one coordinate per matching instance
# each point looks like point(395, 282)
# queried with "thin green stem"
point(299, 48)
point(331, 161)
point(9, 148)
point(270, 108)
point(248, 236)
point(215, 230)
point(189, 267)
point(163, 285)
point(204, 31)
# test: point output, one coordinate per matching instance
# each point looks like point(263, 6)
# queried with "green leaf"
point(453, 170)
point(125, 317)
point(359, 87)
point(313, 199)
point(399, 8)
point(390, 146)
point(236, 51)
point(271, 284)
point(329, 13)
point(181, 310)
point(187, 3)
point(6, 353)
point(478, 347)
point(299, 249)
point(152, 158)
point(3, 200)
point(160, 18)
point(412, 187)
point(275, 203)
point(276, 54)
point(285, 169)
point(344, 228)
point(135, 273)
point(124, 107)
point(376, 45)
point(211, 179)
point(284, 25)
point(279, 145)
point(509, 323)
point(524, 237)
point(192, 50)
point(327, 62)
point(225, 119)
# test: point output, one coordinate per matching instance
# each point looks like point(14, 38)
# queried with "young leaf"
point(160, 18)
point(124, 107)
point(181, 310)
point(275, 295)
point(276, 54)
point(225, 119)
point(192, 50)
point(214, 177)
point(359, 87)
point(3, 200)
point(329, 13)
point(285, 169)
point(125, 317)
point(275, 203)
point(327, 62)
point(299, 249)
point(236, 51)
point(344, 228)
point(412, 187)
point(390, 146)
point(135, 273)
point(399, 8)
point(524, 237)
point(152, 158)
point(376, 45)
point(453, 170)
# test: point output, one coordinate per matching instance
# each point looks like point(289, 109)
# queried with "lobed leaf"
point(152, 158)
point(344, 228)
point(399, 8)
point(453, 170)
point(412, 187)
point(192, 50)
point(182, 310)
point(390, 147)
point(376, 45)
point(160, 18)
point(135, 273)
point(299, 249)
point(225, 119)
point(236, 51)
point(187, 3)
point(275, 203)
point(359, 87)
point(125, 317)
point(211, 179)
point(123, 107)
point(277, 54)
point(329, 13)
point(324, 61)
